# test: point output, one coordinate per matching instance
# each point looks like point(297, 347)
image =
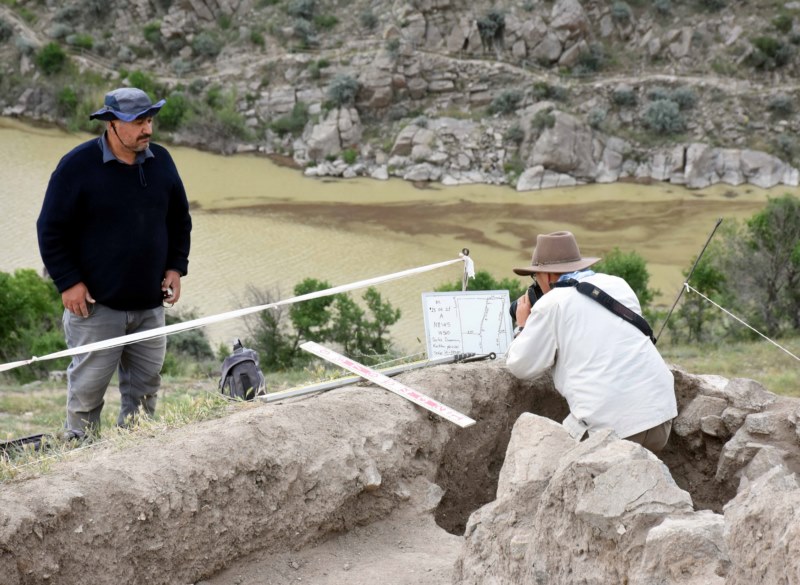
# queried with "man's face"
point(135, 135)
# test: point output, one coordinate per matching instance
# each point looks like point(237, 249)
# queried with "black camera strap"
point(611, 304)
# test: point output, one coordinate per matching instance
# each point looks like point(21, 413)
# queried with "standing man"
point(114, 234)
point(607, 369)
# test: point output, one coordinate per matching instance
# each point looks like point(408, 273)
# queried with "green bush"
point(293, 123)
point(350, 155)
point(343, 90)
point(325, 21)
point(770, 53)
point(67, 101)
point(485, 281)
point(174, 112)
point(81, 41)
point(491, 28)
point(596, 117)
point(663, 7)
point(624, 96)
point(591, 61)
point(152, 32)
point(368, 19)
point(507, 102)
point(631, 267)
point(30, 323)
point(783, 23)
point(515, 135)
point(6, 30)
point(663, 117)
point(544, 91)
point(51, 59)
point(543, 119)
point(301, 9)
point(685, 97)
point(621, 12)
point(781, 105)
point(207, 44)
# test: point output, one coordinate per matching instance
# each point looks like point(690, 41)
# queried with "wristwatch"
point(518, 330)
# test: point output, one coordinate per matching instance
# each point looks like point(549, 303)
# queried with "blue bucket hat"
point(127, 104)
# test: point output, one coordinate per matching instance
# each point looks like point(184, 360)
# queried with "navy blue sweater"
point(115, 227)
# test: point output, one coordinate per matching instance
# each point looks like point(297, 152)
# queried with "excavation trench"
point(281, 477)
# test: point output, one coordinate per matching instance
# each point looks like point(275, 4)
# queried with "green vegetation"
point(51, 59)
point(663, 117)
point(633, 269)
point(343, 90)
point(491, 28)
point(292, 123)
point(507, 102)
point(335, 318)
point(30, 322)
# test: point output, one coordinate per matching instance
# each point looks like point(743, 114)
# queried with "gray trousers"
point(138, 365)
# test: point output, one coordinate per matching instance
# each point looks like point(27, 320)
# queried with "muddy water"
point(265, 225)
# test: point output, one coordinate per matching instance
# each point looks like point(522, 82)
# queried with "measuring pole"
point(390, 384)
point(685, 282)
point(393, 371)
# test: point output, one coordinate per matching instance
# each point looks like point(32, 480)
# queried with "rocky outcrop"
point(443, 60)
point(609, 511)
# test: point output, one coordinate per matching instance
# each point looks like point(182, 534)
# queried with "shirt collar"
point(577, 275)
point(108, 155)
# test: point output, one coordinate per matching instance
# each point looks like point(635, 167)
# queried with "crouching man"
point(607, 369)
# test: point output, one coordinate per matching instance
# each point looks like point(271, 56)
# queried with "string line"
point(203, 321)
point(694, 290)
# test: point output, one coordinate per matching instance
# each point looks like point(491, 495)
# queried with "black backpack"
point(241, 375)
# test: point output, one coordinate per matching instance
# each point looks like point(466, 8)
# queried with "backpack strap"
point(610, 303)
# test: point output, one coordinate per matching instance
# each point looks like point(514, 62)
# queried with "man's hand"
point(75, 300)
point(523, 309)
point(172, 280)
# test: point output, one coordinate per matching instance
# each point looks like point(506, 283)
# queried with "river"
point(262, 225)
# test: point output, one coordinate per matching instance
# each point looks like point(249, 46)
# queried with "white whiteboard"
point(470, 321)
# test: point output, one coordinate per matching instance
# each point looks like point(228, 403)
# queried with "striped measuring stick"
point(390, 384)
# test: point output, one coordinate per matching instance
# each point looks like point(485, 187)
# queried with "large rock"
point(568, 147)
point(340, 129)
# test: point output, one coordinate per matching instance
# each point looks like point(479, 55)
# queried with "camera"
point(534, 294)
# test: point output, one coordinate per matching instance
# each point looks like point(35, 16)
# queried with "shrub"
point(152, 32)
point(621, 12)
point(544, 91)
point(82, 41)
point(293, 123)
point(257, 37)
point(305, 32)
point(658, 93)
point(785, 147)
point(664, 117)
point(624, 96)
point(543, 119)
point(301, 9)
point(326, 21)
point(783, 23)
point(343, 90)
point(591, 61)
point(368, 19)
point(51, 59)
point(781, 105)
point(6, 30)
point(712, 5)
point(632, 268)
point(596, 117)
point(663, 7)
point(174, 112)
point(67, 101)
point(491, 28)
point(770, 53)
point(685, 97)
point(515, 135)
point(207, 44)
point(350, 155)
point(507, 102)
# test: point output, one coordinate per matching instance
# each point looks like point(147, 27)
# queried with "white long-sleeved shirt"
point(610, 373)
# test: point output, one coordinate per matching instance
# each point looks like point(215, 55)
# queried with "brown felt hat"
point(557, 252)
